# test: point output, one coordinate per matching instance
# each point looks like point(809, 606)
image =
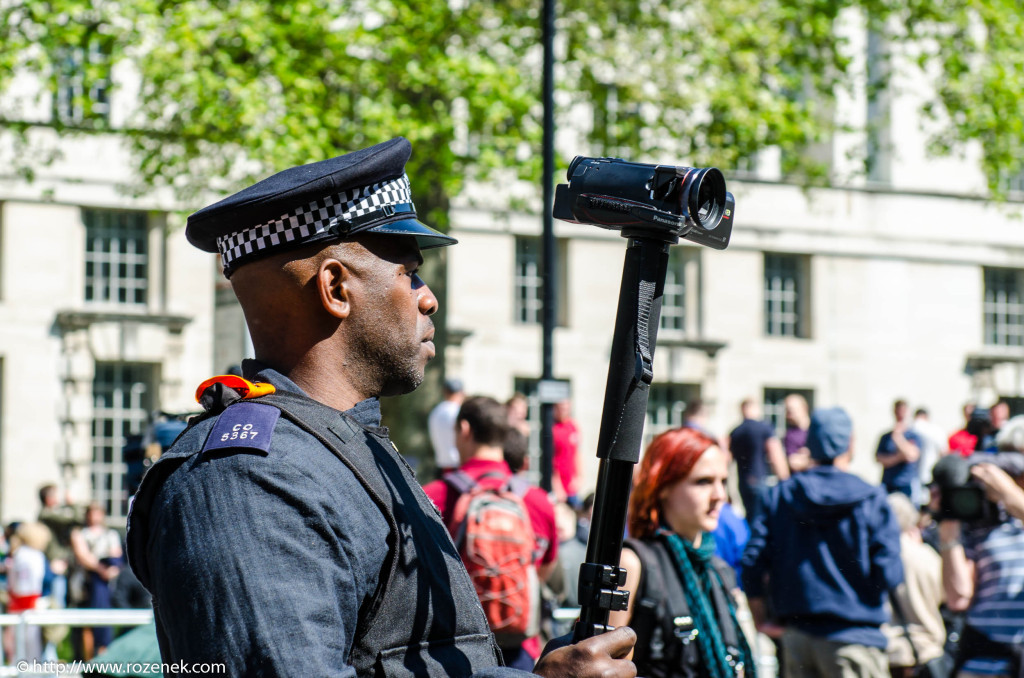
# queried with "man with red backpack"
point(503, 527)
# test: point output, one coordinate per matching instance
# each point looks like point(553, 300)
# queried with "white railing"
point(72, 617)
point(563, 617)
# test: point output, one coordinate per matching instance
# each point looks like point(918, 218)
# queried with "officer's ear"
point(332, 282)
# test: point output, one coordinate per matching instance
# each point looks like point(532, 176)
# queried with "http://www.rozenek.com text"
point(120, 668)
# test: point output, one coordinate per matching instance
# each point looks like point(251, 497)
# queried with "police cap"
point(366, 191)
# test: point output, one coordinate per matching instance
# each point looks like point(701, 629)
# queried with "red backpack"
point(491, 528)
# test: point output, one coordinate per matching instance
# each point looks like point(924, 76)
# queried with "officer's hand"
point(602, 656)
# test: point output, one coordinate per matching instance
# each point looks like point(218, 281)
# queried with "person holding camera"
point(899, 452)
point(982, 547)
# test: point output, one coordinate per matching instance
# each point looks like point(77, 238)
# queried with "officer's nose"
point(427, 301)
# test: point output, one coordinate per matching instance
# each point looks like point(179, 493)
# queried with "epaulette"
point(243, 388)
point(245, 424)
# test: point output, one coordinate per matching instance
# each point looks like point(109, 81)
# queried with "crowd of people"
point(68, 557)
point(845, 577)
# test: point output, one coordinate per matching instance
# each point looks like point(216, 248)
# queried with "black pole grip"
point(630, 370)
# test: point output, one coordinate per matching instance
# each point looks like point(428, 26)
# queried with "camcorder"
point(961, 497)
point(979, 425)
point(665, 201)
point(967, 502)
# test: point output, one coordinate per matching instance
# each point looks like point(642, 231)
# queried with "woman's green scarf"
point(694, 564)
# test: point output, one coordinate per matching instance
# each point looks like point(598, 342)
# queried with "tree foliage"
point(233, 89)
point(978, 50)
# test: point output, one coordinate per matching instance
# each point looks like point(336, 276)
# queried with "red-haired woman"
point(680, 603)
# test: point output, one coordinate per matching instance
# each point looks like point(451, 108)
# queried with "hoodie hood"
point(824, 492)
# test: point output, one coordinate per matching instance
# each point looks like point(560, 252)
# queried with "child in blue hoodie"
point(826, 550)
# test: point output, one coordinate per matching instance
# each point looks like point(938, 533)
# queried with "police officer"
point(283, 534)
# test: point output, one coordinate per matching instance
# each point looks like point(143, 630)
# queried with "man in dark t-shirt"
point(898, 452)
point(756, 449)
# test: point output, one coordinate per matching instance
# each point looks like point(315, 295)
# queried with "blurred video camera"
point(961, 497)
point(979, 425)
point(665, 201)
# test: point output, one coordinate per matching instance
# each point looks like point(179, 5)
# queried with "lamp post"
point(551, 282)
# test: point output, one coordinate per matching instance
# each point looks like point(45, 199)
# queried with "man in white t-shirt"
point(441, 425)
point(933, 444)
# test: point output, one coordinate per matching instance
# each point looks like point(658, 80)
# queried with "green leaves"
point(232, 90)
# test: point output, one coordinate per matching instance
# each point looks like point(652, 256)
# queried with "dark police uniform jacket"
point(269, 551)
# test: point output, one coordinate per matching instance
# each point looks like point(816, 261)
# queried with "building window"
point(879, 137)
point(785, 295)
point(83, 84)
point(1014, 184)
point(665, 405)
point(529, 281)
point(617, 123)
point(680, 298)
point(1004, 310)
point(775, 404)
point(116, 257)
point(123, 397)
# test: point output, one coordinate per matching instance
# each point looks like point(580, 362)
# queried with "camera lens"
point(967, 503)
point(703, 197)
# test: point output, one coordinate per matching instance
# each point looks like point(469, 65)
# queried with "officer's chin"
point(397, 387)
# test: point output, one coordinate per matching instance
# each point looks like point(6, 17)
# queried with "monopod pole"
point(630, 371)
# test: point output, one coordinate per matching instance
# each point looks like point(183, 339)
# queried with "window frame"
point(112, 229)
point(773, 407)
point(529, 309)
point(682, 282)
point(118, 401)
point(996, 313)
point(70, 98)
point(782, 322)
point(677, 395)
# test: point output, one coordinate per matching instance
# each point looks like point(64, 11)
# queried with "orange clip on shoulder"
point(243, 387)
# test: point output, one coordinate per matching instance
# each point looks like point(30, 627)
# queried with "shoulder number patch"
point(244, 424)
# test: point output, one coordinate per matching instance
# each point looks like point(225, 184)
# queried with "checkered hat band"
point(330, 214)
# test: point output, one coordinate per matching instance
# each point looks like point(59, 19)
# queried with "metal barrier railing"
point(76, 617)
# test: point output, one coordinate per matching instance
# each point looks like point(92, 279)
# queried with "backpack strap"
point(463, 482)
point(660, 611)
point(460, 481)
point(721, 601)
point(519, 485)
